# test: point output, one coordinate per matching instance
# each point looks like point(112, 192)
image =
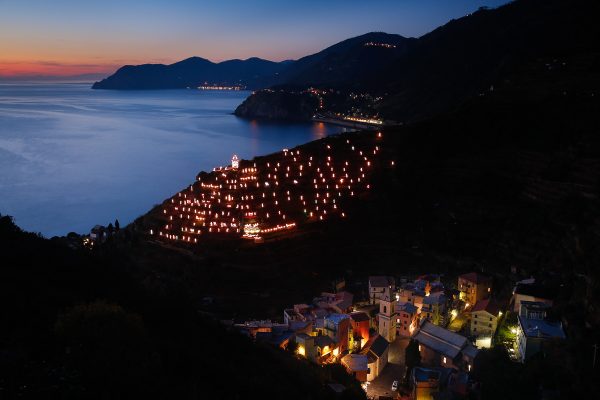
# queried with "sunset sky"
point(73, 37)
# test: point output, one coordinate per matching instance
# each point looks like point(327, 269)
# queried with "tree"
point(412, 356)
point(117, 225)
point(106, 345)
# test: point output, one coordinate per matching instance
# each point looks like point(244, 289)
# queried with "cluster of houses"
point(335, 329)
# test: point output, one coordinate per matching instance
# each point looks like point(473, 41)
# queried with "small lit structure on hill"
point(235, 162)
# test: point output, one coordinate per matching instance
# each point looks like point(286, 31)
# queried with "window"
point(490, 325)
point(490, 318)
point(384, 309)
point(474, 329)
point(475, 316)
point(444, 360)
point(475, 323)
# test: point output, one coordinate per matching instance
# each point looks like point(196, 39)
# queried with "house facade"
point(378, 285)
point(474, 287)
point(407, 319)
point(434, 308)
point(534, 330)
point(377, 352)
point(484, 321)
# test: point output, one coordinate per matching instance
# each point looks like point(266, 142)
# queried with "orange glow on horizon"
point(14, 69)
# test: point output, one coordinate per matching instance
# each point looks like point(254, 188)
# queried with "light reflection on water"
point(72, 157)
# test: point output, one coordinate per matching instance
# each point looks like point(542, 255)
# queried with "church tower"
point(387, 323)
point(235, 162)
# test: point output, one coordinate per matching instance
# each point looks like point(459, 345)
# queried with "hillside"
point(507, 183)
point(444, 68)
point(193, 72)
point(81, 324)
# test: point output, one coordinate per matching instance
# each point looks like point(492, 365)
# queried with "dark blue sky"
point(69, 36)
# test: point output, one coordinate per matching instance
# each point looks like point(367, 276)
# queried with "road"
point(394, 371)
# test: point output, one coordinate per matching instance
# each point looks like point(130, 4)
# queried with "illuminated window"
point(444, 360)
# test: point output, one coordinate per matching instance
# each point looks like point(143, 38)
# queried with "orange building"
point(474, 287)
point(360, 323)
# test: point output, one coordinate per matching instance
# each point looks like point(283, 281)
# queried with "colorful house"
point(360, 324)
point(484, 321)
point(434, 308)
point(407, 319)
point(337, 327)
point(474, 287)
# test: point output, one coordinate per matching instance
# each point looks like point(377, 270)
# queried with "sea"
point(72, 157)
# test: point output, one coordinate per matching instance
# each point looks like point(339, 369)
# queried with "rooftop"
point(475, 277)
point(379, 345)
point(323, 341)
point(425, 374)
point(440, 340)
point(337, 318)
point(487, 305)
point(381, 281)
point(356, 362)
point(359, 316)
point(536, 328)
point(408, 307)
point(435, 298)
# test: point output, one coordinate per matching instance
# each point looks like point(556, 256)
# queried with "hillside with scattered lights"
point(276, 195)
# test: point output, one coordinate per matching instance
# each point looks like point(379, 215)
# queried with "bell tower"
point(235, 162)
point(387, 325)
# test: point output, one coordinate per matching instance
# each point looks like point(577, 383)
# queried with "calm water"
point(72, 157)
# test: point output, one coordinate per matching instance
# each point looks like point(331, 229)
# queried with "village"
point(413, 339)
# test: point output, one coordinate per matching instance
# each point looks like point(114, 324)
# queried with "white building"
point(378, 286)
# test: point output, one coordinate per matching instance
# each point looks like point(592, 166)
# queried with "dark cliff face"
point(278, 105)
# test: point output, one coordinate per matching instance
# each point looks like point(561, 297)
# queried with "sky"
point(92, 37)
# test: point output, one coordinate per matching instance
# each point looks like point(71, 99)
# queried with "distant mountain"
point(192, 72)
point(353, 60)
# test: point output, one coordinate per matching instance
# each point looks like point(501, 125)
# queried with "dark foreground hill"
point(80, 324)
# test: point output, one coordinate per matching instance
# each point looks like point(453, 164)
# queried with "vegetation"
point(79, 324)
